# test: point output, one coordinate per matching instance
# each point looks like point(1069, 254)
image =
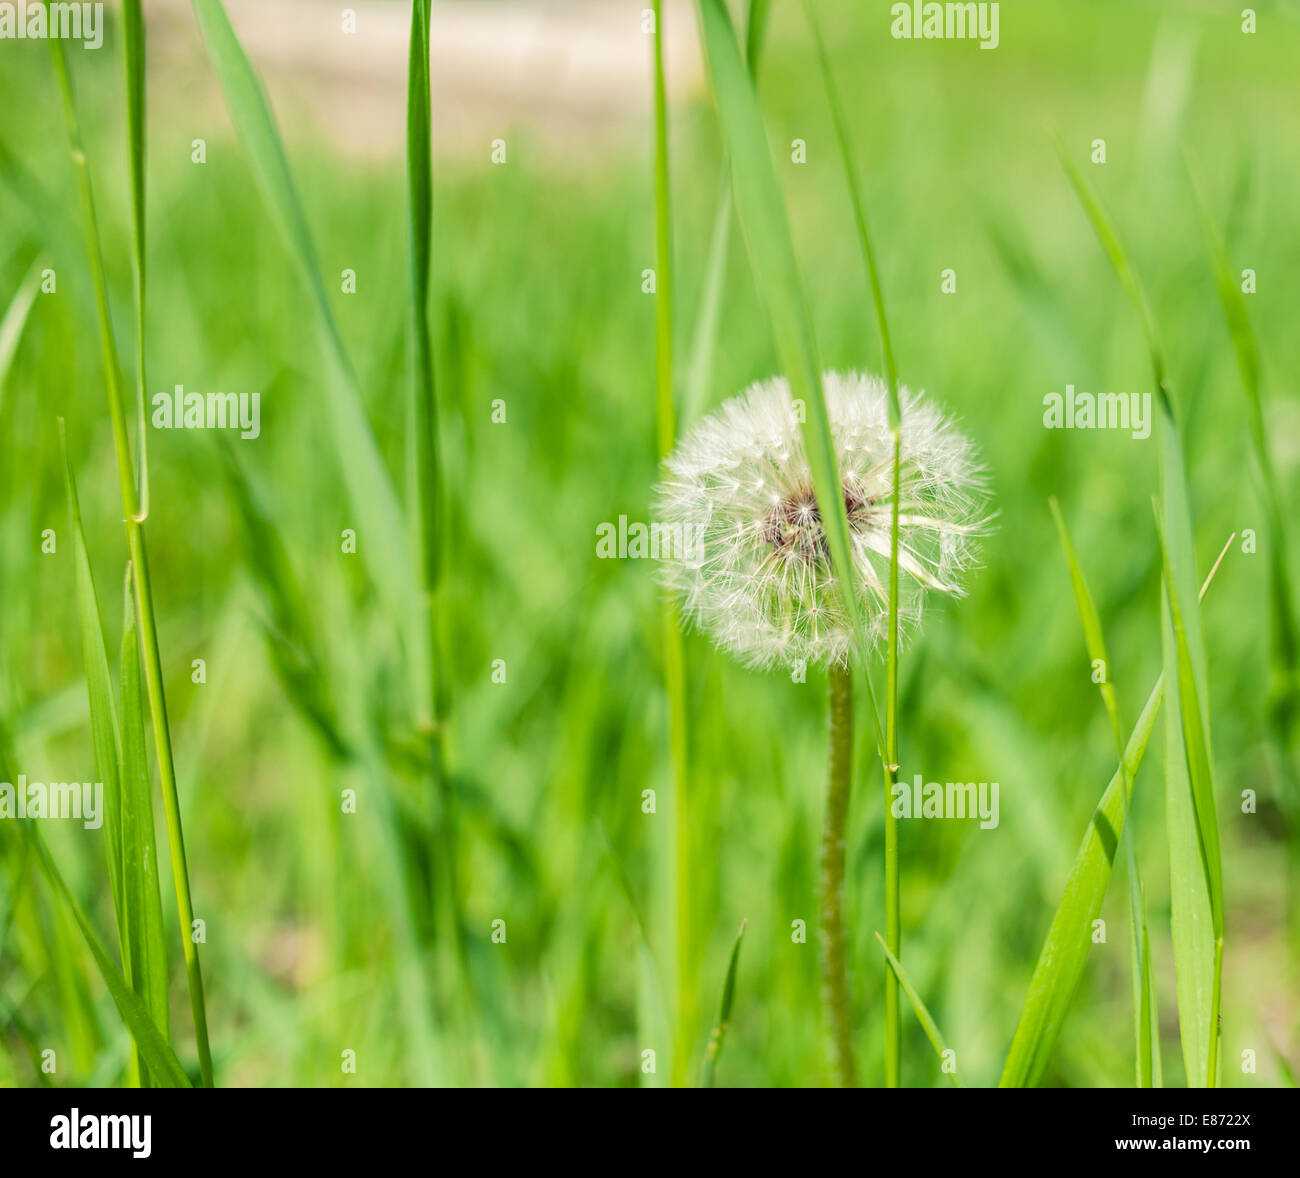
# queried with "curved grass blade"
point(928, 1024)
point(1065, 949)
point(1146, 1025)
point(719, 1036)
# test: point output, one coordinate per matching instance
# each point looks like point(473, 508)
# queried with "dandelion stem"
point(834, 948)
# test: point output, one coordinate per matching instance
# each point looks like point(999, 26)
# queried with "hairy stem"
point(893, 925)
point(834, 949)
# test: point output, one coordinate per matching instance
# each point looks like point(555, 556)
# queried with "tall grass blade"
point(686, 1005)
point(1146, 1027)
point(1195, 864)
point(140, 566)
point(147, 969)
point(133, 63)
point(122, 765)
point(163, 1065)
point(1285, 644)
point(760, 208)
point(1065, 950)
point(704, 342)
point(893, 920)
point(1197, 904)
point(719, 1036)
point(424, 415)
point(923, 1015)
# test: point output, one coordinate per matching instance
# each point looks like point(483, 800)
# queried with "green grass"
point(372, 931)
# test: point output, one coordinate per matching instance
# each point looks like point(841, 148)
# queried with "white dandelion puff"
point(756, 575)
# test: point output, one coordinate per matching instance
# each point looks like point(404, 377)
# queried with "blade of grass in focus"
point(133, 62)
point(893, 918)
point(1065, 949)
point(923, 1016)
point(123, 769)
point(719, 1036)
point(163, 1065)
point(139, 565)
point(681, 919)
point(1146, 1025)
point(147, 971)
point(424, 487)
point(1196, 873)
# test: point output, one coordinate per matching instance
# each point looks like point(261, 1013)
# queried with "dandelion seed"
point(759, 578)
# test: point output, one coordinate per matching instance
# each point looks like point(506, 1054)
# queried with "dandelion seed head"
point(757, 575)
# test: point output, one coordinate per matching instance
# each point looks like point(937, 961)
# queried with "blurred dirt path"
point(572, 74)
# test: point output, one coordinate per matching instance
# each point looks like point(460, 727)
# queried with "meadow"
point(453, 878)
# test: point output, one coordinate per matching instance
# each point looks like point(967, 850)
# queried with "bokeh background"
point(318, 921)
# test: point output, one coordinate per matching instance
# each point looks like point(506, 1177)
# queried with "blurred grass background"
point(538, 305)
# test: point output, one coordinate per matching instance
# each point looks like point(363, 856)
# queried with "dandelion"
point(758, 578)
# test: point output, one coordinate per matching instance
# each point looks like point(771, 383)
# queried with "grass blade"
point(122, 765)
point(719, 1036)
point(1146, 1026)
point(686, 1006)
point(164, 1067)
point(893, 919)
point(1195, 866)
point(140, 566)
point(760, 207)
point(1197, 904)
point(928, 1024)
point(1065, 950)
point(133, 63)
point(145, 962)
point(704, 343)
